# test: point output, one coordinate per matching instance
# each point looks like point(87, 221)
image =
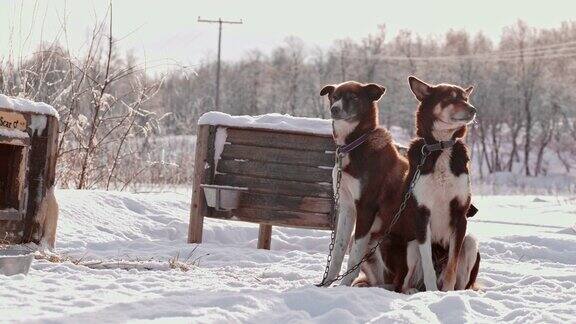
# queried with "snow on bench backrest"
point(273, 121)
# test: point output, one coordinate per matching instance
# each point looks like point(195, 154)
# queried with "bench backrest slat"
point(278, 155)
point(279, 139)
point(283, 187)
point(306, 174)
point(276, 217)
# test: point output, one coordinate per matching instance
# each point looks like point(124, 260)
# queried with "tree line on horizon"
point(114, 114)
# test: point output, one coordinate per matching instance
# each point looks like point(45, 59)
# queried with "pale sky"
point(168, 29)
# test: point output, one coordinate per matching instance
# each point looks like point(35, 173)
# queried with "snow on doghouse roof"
point(269, 121)
point(27, 106)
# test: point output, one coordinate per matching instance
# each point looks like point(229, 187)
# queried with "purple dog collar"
point(345, 149)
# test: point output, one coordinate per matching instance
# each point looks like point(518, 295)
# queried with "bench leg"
point(197, 212)
point(264, 236)
point(195, 228)
point(204, 156)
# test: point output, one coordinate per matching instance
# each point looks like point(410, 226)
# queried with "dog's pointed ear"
point(468, 91)
point(419, 88)
point(374, 91)
point(327, 90)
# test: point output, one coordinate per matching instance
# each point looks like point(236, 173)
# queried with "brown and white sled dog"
point(371, 169)
point(441, 196)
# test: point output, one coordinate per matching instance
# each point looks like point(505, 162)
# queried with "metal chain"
point(395, 219)
point(338, 160)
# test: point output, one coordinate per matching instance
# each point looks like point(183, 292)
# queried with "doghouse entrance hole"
point(10, 163)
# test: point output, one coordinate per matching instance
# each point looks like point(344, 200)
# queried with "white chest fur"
point(435, 191)
point(350, 187)
point(342, 129)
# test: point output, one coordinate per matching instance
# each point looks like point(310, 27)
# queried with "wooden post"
point(264, 236)
point(203, 173)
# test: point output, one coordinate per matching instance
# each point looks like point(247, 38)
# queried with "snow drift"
point(527, 271)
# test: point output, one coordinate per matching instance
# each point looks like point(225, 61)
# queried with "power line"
point(219, 22)
point(476, 58)
point(538, 48)
point(482, 59)
point(560, 50)
point(487, 57)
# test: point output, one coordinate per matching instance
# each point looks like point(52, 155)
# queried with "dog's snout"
point(464, 113)
point(335, 110)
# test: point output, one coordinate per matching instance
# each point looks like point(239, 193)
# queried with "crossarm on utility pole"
point(219, 22)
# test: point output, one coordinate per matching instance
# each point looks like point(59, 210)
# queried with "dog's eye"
point(353, 97)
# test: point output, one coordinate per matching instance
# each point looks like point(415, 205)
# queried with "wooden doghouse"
point(279, 167)
point(28, 141)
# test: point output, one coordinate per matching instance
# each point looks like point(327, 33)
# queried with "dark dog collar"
point(345, 149)
point(439, 146)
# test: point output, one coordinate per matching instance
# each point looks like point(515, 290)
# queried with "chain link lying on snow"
point(425, 152)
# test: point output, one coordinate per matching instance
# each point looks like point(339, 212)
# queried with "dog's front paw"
point(410, 291)
point(440, 281)
point(362, 283)
point(445, 285)
point(446, 288)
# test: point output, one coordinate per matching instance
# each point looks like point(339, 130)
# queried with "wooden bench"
point(288, 176)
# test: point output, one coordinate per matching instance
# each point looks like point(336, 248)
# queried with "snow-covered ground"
point(528, 246)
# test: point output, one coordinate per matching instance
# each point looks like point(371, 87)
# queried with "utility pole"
point(219, 22)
